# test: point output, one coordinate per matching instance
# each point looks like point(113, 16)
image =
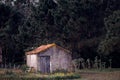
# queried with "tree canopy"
point(85, 27)
point(111, 42)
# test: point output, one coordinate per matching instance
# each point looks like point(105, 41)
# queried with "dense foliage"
point(85, 27)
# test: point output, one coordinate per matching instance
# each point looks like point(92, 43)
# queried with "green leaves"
point(112, 38)
point(10, 20)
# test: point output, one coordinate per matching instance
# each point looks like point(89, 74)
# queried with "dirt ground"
point(100, 75)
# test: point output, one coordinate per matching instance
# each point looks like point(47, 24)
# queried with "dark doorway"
point(45, 64)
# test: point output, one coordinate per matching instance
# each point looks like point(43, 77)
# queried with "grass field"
point(107, 74)
point(115, 75)
point(11, 74)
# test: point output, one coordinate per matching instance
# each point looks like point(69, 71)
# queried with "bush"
point(24, 67)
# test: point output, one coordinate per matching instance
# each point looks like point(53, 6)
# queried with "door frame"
point(43, 65)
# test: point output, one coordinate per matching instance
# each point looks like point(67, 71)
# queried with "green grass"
point(17, 75)
point(9, 74)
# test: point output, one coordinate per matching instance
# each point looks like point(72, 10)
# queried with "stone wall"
point(59, 59)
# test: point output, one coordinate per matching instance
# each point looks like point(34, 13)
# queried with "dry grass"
point(85, 75)
point(17, 71)
point(17, 74)
point(100, 75)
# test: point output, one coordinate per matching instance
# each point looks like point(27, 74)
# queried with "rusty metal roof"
point(44, 48)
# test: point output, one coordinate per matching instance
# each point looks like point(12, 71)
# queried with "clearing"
point(112, 75)
point(84, 74)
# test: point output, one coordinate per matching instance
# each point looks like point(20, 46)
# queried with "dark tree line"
point(88, 28)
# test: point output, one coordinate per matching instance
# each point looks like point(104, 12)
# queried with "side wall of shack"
point(32, 61)
point(59, 59)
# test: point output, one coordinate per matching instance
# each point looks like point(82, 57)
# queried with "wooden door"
point(45, 64)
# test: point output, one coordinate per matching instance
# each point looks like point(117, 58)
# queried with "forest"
point(88, 28)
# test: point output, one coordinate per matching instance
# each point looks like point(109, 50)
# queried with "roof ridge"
point(43, 48)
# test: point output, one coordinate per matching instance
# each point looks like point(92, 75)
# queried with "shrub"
point(24, 67)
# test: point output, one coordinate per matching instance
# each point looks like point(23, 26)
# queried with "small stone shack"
point(49, 58)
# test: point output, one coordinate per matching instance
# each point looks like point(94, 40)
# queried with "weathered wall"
point(32, 61)
point(59, 59)
point(48, 52)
